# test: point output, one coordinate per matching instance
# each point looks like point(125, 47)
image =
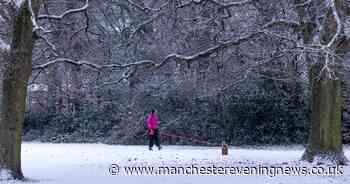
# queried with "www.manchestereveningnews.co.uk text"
point(271, 171)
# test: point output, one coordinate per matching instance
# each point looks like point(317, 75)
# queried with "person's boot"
point(150, 148)
point(159, 147)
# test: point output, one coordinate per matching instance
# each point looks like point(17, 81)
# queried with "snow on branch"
point(90, 64)
point(282, 22)
point(210, 50)
point(33, 17)
point(238, 3)
point(165, 60)
point(226, 5)
point(126, 75)
point(19, 3)
point(222, 5)
point(144, 8)
point(16, 4)
point(50, 44)
point(337, 19)
point(216, 2)
point(150, 20)
point(303, 4)
point(249, 70)
point(36, 26)
point(179, 57)
point(64, 14)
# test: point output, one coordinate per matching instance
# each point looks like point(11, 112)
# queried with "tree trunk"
point(16, 75)
point(325, 138)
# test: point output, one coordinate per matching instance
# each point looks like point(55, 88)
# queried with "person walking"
point(152, 124)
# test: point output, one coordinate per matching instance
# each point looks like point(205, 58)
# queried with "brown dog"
point(224, 150)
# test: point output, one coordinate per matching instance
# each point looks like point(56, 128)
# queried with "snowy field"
point(89, 164)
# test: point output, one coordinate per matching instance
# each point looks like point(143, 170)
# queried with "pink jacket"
point(152, 121)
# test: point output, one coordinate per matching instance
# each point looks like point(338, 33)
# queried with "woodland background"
point(252, 92)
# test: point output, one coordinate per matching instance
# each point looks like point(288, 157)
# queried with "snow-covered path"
point(89, 164)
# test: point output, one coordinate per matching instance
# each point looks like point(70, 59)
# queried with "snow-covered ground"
point(90, 163)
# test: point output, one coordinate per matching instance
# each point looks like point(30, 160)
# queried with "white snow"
point(89, 163)
point(2, 19)
point(18, 3)
point(3, 45)
point(4, 174)
point(346, 25)
point(38, 87)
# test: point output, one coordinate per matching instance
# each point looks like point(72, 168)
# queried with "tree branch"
point(90, 64)
point(290, 23)
point(66, 13)
point(337, 19)
point(303, 4)
point(144, 8)
point(166, 59)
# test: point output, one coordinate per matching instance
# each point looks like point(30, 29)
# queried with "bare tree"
point(16, 76)
point(323, 33)
point(23, 31)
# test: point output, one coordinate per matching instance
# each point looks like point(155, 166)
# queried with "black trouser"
point(154, 138)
